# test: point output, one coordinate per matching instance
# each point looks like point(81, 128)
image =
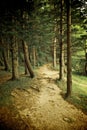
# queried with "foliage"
point(78, 48)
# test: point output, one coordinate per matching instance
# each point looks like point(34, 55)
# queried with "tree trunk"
point(61, 69)
point(69, 66)
point(8, 52)
point(27, 61)
point(14, 51)
point(5, 60)
point(54, 53)
point(1, 62)
point(86, 68)
point(86, 64)
point(86, 58)
point(34, 56)
point(26, 70)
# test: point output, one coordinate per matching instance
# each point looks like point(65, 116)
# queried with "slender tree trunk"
point(1, 62)
point(27, 61)
point(14, 52)
point(34, 56)
point(62, 66)
point(28, 67)
point(5, 60)
point(86, 58)
point(54, 52)
point(8, 52)
point(86, 64)
point(26, 70)
point(69, 66)
point(86, 68)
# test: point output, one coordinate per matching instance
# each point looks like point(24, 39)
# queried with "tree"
point(26, 57)
point(54, 51)
point(14, 55)
point(34, 56)
point(69, 66)
point(4, 53)
point(61, 58)
point(6, 64)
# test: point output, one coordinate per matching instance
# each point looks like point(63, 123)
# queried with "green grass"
point(79, 91)
point(2, 73)
point(79, 78)
point(7, 87)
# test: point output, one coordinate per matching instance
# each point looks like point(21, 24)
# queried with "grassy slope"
point(79, 91)
point(9, 85)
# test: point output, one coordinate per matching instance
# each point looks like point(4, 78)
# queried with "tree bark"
point(14, 52)
point(26, 70)
point(34, 56)
point(8, 52)
point(86, 68)
point(1, 62)
point(69, 65)
point(6, 64)
point(54, 52)
point(86, 58)
point(61, 69)
point(26, 57)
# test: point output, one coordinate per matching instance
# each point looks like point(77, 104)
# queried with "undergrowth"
point(79, 93)
point(7, 87)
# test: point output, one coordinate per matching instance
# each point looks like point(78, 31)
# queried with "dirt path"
point(41, 106)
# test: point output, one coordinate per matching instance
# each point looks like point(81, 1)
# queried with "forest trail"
point(41, 106)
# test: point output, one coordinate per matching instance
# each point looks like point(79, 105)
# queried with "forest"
point(43, 65)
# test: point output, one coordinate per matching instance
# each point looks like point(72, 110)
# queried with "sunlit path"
point(46, 109)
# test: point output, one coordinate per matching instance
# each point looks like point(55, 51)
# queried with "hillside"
point(40, 106)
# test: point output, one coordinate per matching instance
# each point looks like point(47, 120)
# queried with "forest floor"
point(40, 106)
